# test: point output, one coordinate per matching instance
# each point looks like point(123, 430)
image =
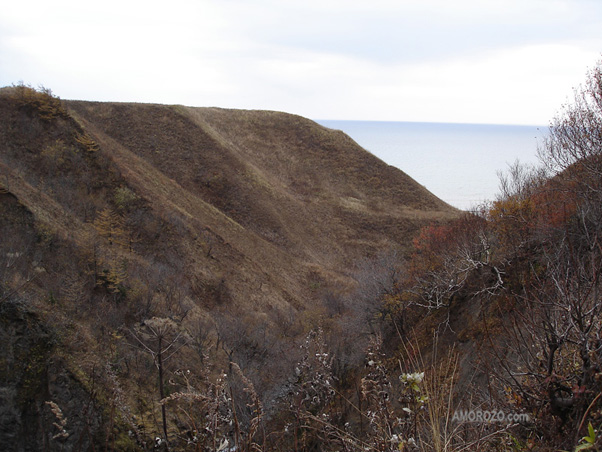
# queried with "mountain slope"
point(232, 225)
point(278, 188)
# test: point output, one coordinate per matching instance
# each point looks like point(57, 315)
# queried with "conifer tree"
point(110, 225)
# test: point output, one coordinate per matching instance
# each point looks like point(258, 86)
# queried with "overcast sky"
point(481, 61)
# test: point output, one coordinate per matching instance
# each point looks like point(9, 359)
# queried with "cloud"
point(497, 61)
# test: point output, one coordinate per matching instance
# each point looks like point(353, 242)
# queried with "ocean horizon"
point(458, 163)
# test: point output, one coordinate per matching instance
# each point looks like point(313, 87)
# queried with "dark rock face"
point(23, 376)
point(31, 376)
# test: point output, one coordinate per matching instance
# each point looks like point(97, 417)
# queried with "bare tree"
point(554, 358)
point(162, 339)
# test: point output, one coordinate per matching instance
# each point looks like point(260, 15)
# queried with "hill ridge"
point(241, 227)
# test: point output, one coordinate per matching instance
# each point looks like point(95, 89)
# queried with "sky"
point(465, 61)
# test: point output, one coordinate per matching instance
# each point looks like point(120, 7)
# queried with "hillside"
point(235, 229)
point(280, 190)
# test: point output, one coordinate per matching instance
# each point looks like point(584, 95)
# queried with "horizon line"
point(544, 126)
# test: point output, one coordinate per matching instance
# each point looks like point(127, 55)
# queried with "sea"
point(459, 163)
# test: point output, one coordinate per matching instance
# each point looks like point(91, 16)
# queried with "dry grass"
point(280, 189)
point(251, 216)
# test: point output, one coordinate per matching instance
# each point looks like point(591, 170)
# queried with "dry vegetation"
point(215, 280)
point(151, 248)
point(517, 283)
point(174, 278)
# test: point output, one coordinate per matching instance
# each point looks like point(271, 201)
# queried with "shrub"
point(40, 102)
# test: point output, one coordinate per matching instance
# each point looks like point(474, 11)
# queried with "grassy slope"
point(283, 194)
point(240, 213)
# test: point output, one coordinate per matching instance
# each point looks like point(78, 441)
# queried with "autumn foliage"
point(532, 260)
point(40, 102)
point(444, 257)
